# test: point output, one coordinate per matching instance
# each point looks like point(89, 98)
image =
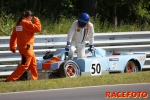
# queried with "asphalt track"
point(80, 93)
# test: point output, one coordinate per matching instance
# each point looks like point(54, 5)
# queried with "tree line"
point(113, 11)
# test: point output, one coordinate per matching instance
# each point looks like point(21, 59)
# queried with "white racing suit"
point(77, 37)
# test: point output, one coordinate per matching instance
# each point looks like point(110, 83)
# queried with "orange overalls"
point(23, 36)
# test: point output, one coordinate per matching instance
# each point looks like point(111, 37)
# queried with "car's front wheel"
point(69, 69)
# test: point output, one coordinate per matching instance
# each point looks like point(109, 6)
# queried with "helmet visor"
point(81, 24)
point(83, 21)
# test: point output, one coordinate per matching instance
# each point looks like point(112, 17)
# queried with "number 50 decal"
point(95, 68)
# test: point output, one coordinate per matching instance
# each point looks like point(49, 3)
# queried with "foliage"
point(57, 15)
point(49, 26)
point(55, 9)
point(6, 24)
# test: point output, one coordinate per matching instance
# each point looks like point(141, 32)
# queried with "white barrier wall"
point(124, 42)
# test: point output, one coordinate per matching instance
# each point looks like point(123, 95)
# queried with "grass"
point(127, 78)
point(49, 26)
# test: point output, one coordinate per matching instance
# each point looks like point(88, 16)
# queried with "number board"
point(95, 68)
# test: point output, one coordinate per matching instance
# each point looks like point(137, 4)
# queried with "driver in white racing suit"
point(79, 31)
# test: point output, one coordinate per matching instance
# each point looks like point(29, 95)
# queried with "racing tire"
point(131, 67)
point(69, 69)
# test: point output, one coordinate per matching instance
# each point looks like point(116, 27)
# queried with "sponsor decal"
point(19, 28)
point(78, 29)
point(142, 58)
point(113, 59)
point(114, 65)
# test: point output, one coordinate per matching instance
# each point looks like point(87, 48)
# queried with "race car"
point(97, 62)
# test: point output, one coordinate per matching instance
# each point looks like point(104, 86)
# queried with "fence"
point(124, 42)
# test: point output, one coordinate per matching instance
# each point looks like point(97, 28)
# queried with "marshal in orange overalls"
point(23, 36)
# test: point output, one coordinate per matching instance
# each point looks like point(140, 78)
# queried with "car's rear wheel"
point(69, 69)
point(131, 66)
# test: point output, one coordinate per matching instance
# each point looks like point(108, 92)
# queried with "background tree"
point(113, 11)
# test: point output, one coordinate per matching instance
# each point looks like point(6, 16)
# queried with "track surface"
point(81, 93)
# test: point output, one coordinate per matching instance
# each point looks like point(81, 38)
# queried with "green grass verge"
point(49, 26)
point(140, 77)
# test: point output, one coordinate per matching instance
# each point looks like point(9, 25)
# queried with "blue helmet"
point(84, 18)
